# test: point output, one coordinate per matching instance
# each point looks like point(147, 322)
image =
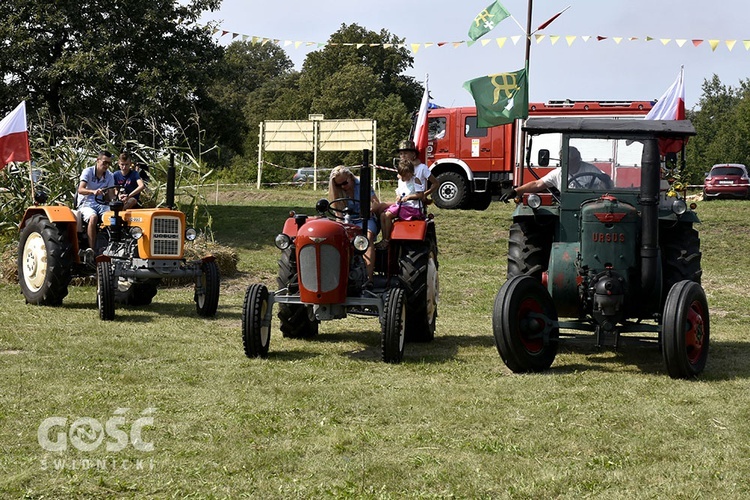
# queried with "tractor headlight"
point(534, 201)
point(361, 243)
point(282, 241)
point(136, 233)
point(191, 234)
point(679, 207)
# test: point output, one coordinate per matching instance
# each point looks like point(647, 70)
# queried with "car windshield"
point(726, 171)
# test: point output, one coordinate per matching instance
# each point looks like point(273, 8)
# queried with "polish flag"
point(420, 129)
point(14, 137)
point(670, 106)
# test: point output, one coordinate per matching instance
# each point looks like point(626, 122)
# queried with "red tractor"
point(322, 276)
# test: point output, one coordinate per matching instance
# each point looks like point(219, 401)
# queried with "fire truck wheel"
point(393, 325)
point(44, 262)
point(681, 253)
point(294, 319)
point(453, 191)
point(524, 323)
point(142, 293)
point(418, 273)
point(255, 335)
point(105, 291)
point(529, 247)
point(685, 330)
point(207, 301)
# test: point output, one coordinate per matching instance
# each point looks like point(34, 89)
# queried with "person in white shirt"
point(410, 196)
point(408, 151)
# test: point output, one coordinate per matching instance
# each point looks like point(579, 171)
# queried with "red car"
point(727, 180)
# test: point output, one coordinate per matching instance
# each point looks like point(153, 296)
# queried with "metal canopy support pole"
point(316, 131)
point(260, 153)
point(374, 147)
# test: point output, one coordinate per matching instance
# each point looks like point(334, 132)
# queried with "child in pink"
point(409, 199)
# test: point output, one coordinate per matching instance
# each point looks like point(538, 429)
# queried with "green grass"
point(326, 418)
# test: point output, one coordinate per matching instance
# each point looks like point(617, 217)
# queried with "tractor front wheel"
point(685, 330)
point(524, 323)
point(295, 321)
point(105, 291)
point(393, 326)
point(207, 301)
point(256, 336)
point(44, 262)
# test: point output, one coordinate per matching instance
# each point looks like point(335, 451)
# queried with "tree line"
point(149, 73)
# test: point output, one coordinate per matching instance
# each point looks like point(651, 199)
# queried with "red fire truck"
point(474, 165)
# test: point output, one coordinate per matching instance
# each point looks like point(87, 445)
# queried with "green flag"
point(487, 20)
point(500, 98)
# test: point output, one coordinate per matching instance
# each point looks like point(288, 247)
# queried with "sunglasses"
point(342, 184)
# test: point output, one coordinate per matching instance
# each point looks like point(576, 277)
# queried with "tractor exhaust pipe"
point(170, 181)
point(650, 180)
point(364, 190)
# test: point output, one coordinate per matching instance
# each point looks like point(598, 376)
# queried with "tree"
point(104, 60)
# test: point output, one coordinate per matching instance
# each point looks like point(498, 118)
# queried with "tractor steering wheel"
point(102, 198)
point(594, 176)
point(341, 213)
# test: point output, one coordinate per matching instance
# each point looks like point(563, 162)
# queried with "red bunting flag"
point(549, 21)
point(14, 137)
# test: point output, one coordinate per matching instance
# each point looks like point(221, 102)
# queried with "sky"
point(571, 68)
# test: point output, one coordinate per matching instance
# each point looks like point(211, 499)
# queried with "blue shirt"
point(129, 182)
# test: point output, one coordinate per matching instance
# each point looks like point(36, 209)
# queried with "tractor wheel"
point(105, 291)
point(207, 302)
point(685, 330)
point(680, 253)
point(418, 273)
point(524, 323)
point(142, 293)
point(295, 322)
point(256, 336)
point(453, 191)
point(529, 247)
point(481, 201)
point(393, 327)
point(44, 262)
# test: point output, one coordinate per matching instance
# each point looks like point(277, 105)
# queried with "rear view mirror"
point(543, 159)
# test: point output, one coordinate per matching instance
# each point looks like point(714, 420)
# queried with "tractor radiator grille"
point(329, 270)
point(166, 237)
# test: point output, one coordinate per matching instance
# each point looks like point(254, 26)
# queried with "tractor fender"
point(409, 230)
point(451, 165)
point(561, 278)
point(60, 215)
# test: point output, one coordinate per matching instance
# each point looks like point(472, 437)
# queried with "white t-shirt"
point(553, 179)
point(406, 188)
point(422, 173)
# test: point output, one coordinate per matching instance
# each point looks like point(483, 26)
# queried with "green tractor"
point(613, 253)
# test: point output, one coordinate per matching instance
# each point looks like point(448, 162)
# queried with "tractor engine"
point(608, 259)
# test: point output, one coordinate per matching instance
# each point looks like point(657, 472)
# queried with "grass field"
point(326, 418)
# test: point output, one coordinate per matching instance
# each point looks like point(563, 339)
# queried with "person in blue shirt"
point(129, 180)
point(343, 184)
point(94, 182)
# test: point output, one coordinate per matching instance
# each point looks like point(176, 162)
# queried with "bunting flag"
point(420, 129)
point(500, 98)
point(14, 137)
point(549, 21)
point(487, 20)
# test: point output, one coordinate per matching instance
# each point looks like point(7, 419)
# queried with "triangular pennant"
point(387, 45)
point(415, 47)
point(485, 41)
point(680, 42)
point(235, 35)
point(501, 41)
point(244, 38)
point(515, 39)
point(585, 38)
point(457, 44)
point(223, 32)
point(265, 41)
point(665, 41)
point(648, 38)
point(287, 43)
point(617, 39)
point(570, 39)
point(554, 38)
point(297, 44)
point(600, 38)
point(746, 43)
point(428, 44)
point(214, 31)
point(440, 44)
point(697, 42)
point(633, 38)
point(360, 45)
point(730, 44)
point(539, 38)
point(713, 44)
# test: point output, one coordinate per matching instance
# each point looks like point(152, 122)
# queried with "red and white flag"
point(670, 106)
point(14, 137)
point(420, 129)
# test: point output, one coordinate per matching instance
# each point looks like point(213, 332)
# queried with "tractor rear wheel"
point(418, 273)
point(393, 334)
point(453, 191)
point(256, 336)
point(105, 291)
point(685, 330)
point(295, 322)
point(524, 324)
point(680, 253)
point(207, 301)
point(529, 247)
point(44, 262)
